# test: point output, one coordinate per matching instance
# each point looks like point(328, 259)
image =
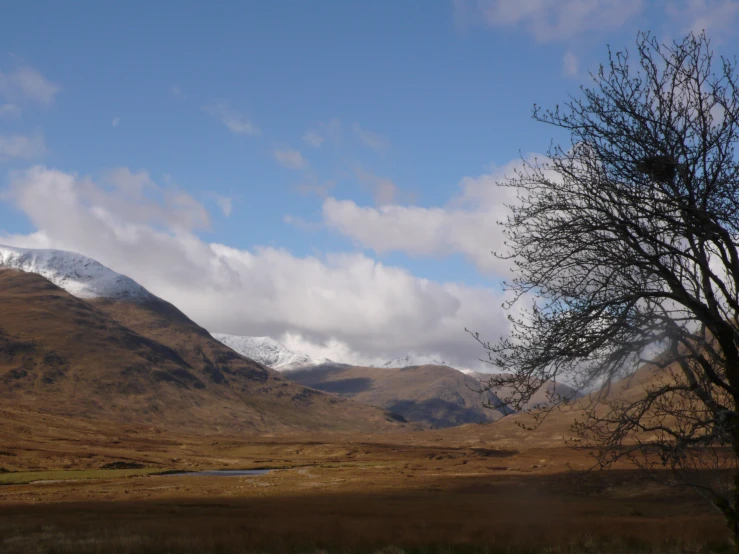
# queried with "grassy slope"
point(64, 356)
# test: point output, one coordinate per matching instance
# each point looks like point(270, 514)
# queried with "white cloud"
point(570, 64)
point(370, 139)
point(708, 15)
point(333, 349)
point(335, 302)
point(132, 197)
point(25, 147)
point(467, 225)
point(177, 91)
point(313, 139)
point(129, 183)
point(289, 158)
point(550, 20)
point(236, 122)
point(417, 231)
point(116, 121)
point(26, 83)
point(10, 110)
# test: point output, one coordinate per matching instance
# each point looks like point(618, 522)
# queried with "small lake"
point(221, 473)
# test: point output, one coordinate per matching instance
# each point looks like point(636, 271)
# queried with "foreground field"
point(351, 509)
point(349, 494)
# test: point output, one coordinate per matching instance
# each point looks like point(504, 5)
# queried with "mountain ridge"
point(269, 352)
point(436, 395)
point(79, 275)
point(276, 355)
point(145, 362)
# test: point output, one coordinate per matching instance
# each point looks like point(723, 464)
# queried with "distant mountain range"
point(413, 359)
point(269, 352)
point(77, 337)
point(437, 395)
point(427, 390)
point(420, 388)
point(80, 340)
point(276, 355)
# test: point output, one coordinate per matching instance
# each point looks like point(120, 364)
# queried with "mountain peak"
point(276, 355)
point(79, 275)
point(268, 351)
point(414, 359)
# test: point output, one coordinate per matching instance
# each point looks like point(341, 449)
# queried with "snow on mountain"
point(272, 353)
point(413, 359)
point(79, 275)
point(269, 352)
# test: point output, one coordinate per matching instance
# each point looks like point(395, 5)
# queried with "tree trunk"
point(727, 506)
point(733, 520)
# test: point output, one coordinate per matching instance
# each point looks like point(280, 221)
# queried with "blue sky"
point(372, 130)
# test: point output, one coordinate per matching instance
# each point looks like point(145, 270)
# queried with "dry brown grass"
point(358, 509)
point(349, 494)
point(51, 540)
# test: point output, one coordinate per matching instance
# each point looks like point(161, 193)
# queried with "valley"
point(438, 396)
point(109, 392)
point(455, 277)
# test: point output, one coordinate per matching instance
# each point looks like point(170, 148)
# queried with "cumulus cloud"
point(22, 146)
point(126, 196)
point(370, 139)
point(550, 20)
point(333, 349)
point(116, 121)
point(417, 231)
point(467, 225)
point(345, 302)
point(290, 158)
point(233, 120)
point(27, 84)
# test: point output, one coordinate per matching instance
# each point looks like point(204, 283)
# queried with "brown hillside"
point(147, 364)
point(437, 395)
point(556, 427)
point(542, 398)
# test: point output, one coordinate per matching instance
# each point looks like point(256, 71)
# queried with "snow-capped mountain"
point(79, 275)
point(272, 353)
point(269, 352)
point(414, 359)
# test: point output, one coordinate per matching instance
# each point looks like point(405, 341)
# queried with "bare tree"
point(625, 244)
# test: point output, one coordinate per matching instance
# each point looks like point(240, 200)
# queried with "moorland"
point(104, 397)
